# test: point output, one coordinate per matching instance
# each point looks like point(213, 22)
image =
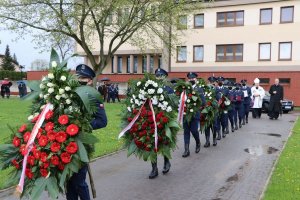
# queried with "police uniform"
point(223, 118)
point(232, 111)
point(247, 100)
point(161, 74)
point(193, 126)
point(239, 103)
point(76, 185)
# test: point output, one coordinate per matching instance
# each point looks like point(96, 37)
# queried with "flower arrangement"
point(224, 104)
point(149, 119)
point(190, 100)
point(209, 112)
point(56, 140)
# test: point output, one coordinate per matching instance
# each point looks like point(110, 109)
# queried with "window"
point(112, 65)
point(198, 53)
point(235, 18)
point(229, 53)
point(264, 80)
point(151, 64)
point(181, 54)
point(266, 16)
point(120, 64)
point(144, 64)
point(159, 62)
point(284, 80)
point(285, 50)
point(128, 64)
point(199, 21)
point(287, 14)
point(264, 52)
point(182, 22)
point(135, 64)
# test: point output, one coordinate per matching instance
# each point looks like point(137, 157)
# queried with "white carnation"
point(67, 88)
point(63, 78)
point(191, 110)
point(41, 95)
point(50, 90)
point(165, 103)
point(50, 84)
point(141, 96)
point(136, 101)
point(30, 118)
point(139, 83)
point(227, 103)
point(42, 86)
point(54, 64)
point(50, 76)
point(161, 97)
point(169, 109)
point(68, 101)
point(46, 96)
point(57, 97)
point(151, 91)
point(61, 91)
point(193, 92)
point(64, 96)
point(188, 101)
point(210, 97)
point(159, 91)
point(129, 109)
point(42, 107)
point(44, 78)
point(155, 84)
point(131, 100)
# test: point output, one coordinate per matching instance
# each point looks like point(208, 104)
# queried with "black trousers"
point(256, 112)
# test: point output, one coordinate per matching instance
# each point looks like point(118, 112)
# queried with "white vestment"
point(257, 100)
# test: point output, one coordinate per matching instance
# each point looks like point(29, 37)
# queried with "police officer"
point(239, 103)
point(231, 111)
point(161, 74)
point(211, 84)
point(223, 118)
point(76, 186)
point(247, 100)
point(5, 88)
point(192, 126)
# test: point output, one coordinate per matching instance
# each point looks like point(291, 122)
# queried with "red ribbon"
point(181, 107)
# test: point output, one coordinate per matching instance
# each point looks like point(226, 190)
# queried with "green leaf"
point(52, 187)
point(54, 57)
point(82, 152)
point(88, 138)
point(173, 124)
point(63, 176)
point(194, 98)
point(204, 111)
point(168, 133)
point(65, 62)
point(74, 165)
point(132, 147)
point(38, 188)
point(34, 85)
point(30, 96)
point(88, 95)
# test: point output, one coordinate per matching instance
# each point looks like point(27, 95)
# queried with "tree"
point(7, 62)
point(15, 60)
point(144, 23)
point(39, 64)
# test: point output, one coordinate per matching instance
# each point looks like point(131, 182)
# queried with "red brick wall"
point(291, 91)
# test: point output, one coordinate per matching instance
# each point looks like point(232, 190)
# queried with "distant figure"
point(22, 88)
point(111, 93)
point(5, 88)
point(276, 92)
point(116, 89)
point(258, 94)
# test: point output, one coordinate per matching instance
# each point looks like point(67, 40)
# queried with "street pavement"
point(236, 169)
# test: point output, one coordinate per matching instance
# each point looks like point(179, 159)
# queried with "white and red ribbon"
point(155, 126)
point(30, 143)
point(181, 107)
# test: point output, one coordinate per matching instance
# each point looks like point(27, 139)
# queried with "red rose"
point(46, 165)
point(144, 113)
point(44, 172)
point(72, 129)
point(51, 135)
point(29, 173)
point(61, 166)
point(49, 115)
point(135, 111)
point(31, 160)
point(15, 163)
point(36, 154)
point(35, 119)
point(26, 136)
point(55, 147)
point(16, 141)
point(61, 136)
point(43, 140)
point(160, 126)
point(149, 113)
point(43, 156)
point(165, 120)
point(209, 103)
point(177, 93)
point(147, 149)
point(129, 119)
point(22, 149)
point(55, 160)
point(190, 95)
point(65, 157)
point(150, 119)
point(152, 131)
point(49, 126)
point(72, 148)
point(22, 128)
point(63, 119)
point(147, 138)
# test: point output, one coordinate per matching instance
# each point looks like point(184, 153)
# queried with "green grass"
point(285, 180)
point(14, 112)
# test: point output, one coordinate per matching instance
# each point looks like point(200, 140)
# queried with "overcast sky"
point(25, 51)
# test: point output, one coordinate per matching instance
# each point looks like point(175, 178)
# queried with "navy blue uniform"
point(232, 112)
point(239, 105)
point(223, 117)
point(247, 101)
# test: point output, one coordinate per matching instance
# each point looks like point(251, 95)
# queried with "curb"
point(275, 163)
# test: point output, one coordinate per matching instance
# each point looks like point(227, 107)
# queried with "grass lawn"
point(15, 112)
point(285, 180)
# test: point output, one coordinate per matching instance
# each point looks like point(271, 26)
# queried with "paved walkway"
point(236, 169)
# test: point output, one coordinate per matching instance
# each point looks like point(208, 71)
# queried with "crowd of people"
point(109, 92)
point(6, 88)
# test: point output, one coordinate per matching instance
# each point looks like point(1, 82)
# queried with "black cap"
point(221, 78)
point(191, 75)
point(85, 71)
point(244, 81)
point(160, 72)
point(212, 79)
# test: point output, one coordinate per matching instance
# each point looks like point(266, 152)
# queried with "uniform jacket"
point(247, 94)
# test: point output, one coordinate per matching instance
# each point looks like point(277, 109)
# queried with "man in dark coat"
point(276, 92)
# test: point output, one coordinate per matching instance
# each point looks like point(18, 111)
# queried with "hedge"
point(12, 75)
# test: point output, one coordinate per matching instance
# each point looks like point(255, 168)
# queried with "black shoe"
point(186, 152)
point(154, 173)
point(271, 118)
point(232, 129)
point(206, 145)
point(240, 126)
point(219, 136)
point(198, 147)
point(167, 165)
point(246, 120)
point(236, 127)
point(214, 142)
point(227, 131)
point(243, 122)
point(223, 134)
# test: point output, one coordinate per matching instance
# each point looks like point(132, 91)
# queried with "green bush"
point(12, 75)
